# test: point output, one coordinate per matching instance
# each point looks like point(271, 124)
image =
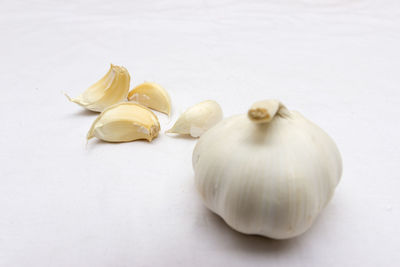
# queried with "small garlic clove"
point(152, 96)
point(198, 119)
point(111, 89)
point(125, 122)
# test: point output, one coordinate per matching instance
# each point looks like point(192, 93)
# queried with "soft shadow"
point(181, 136)
point(252, 243)
point(85, 113)
point(82, 113)
point(95, 143)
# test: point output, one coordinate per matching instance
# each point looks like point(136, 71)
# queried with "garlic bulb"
point(125, 122)
point(111, 89)
point(151, 95)
point(269, 172)
point(198, 119)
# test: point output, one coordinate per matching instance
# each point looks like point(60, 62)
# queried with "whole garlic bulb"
point(269, 172)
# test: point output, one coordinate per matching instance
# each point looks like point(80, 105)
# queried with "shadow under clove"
point(181, 136)
point(86, 113)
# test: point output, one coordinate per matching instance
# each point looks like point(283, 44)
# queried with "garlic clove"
point(125, 122)
point(152, 96)
point(112, 88)
point(198, 119)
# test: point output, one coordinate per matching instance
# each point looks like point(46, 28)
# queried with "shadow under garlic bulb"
point(269, 172)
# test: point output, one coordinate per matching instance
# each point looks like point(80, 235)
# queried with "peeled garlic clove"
point(111, 89)
point(269, 172)
point(125, 122)
point(152, 96)
point(198, 119)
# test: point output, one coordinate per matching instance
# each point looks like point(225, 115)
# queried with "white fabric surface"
point(134, 204)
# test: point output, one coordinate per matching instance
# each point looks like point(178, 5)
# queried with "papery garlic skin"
point(198, 119)
point(270, 179)
point(112, 88)
point(125, 122)
point(151, 95)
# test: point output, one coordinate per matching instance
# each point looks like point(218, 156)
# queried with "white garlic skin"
point(267, 179)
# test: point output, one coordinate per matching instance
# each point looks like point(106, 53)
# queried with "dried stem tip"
point(264, 111)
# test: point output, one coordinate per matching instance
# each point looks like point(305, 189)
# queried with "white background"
point(63, 203)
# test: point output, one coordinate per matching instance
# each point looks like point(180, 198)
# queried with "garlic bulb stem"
point(264, 111)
